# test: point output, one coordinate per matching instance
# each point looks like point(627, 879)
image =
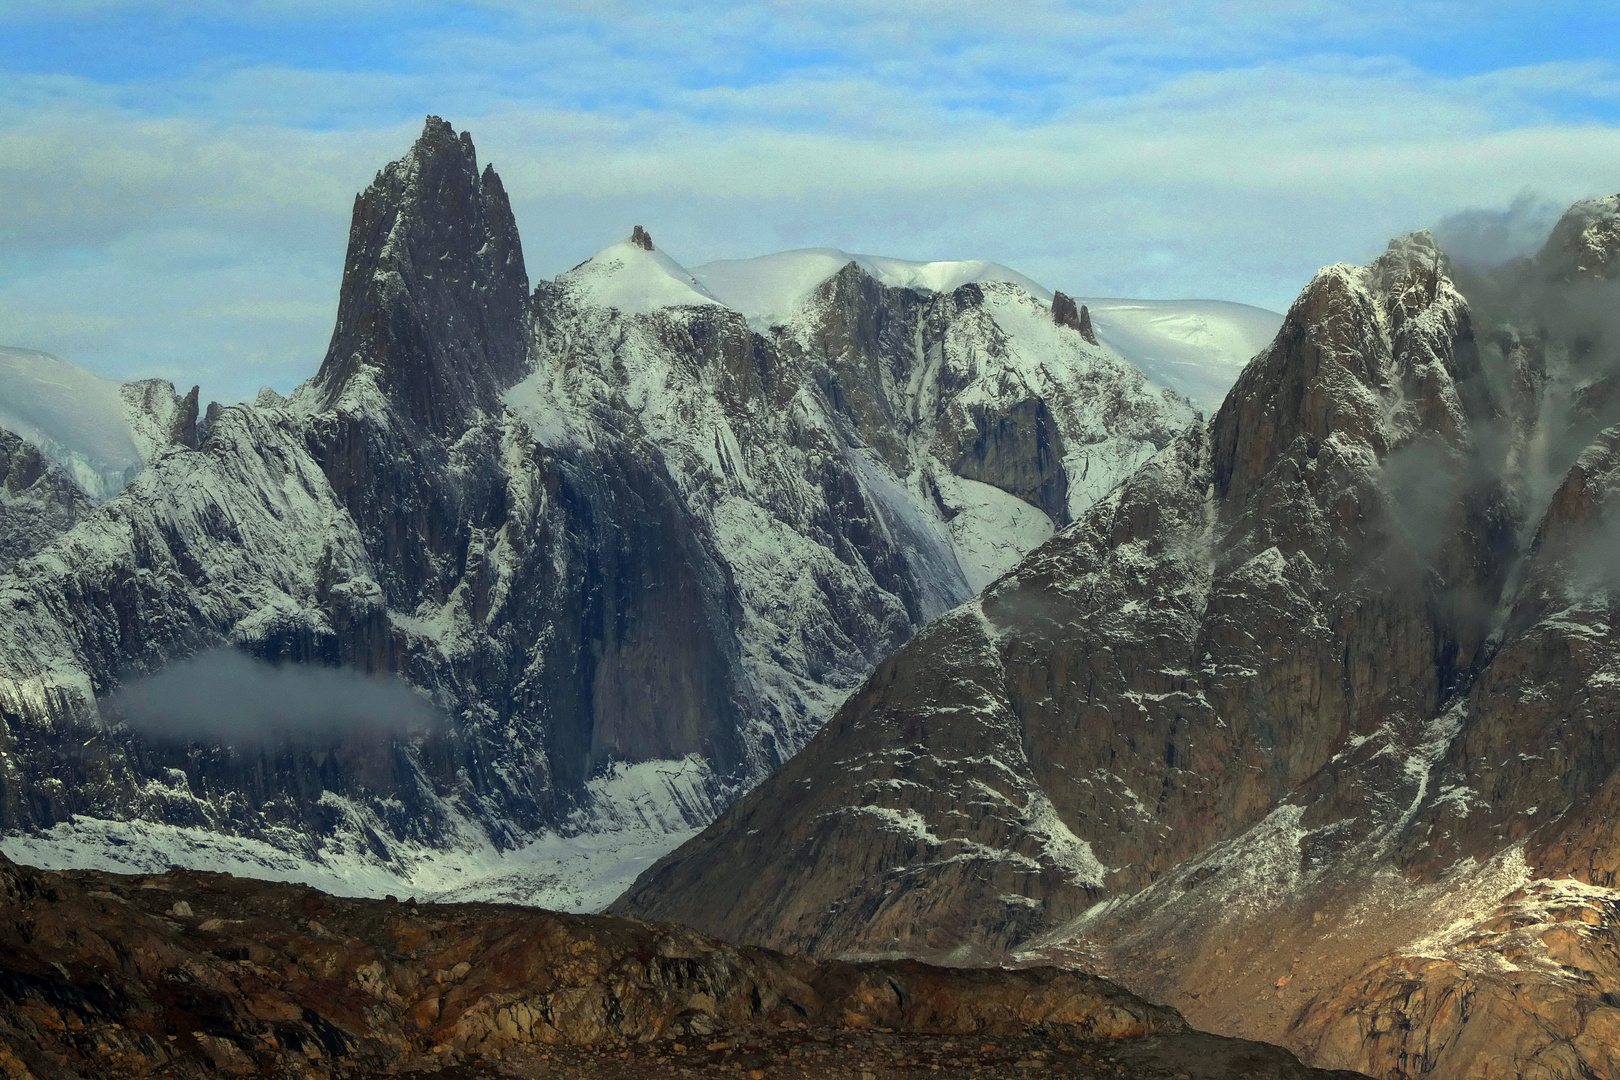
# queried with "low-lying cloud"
point(1546, 384)
point(230, 697)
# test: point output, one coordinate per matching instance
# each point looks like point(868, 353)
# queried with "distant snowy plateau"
point(635, 533)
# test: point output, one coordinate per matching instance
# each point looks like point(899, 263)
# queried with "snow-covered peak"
point(1195, 347)
point(767, 289)
point(75, 418)
point(635, 279)
point(947, 276)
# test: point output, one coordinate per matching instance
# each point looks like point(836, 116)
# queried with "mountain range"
point(1307, 728)
point(868, 609)
point(631, 535)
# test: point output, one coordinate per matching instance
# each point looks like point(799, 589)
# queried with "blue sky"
point(176, 178)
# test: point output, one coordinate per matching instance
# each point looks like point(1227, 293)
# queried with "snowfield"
point(1195, 347)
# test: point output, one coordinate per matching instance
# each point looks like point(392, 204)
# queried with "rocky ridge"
point(634, 552)
point(1302, 729)
point(38, 500)
point(185, 974)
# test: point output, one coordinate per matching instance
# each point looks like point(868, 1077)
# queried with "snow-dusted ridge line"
point(768, 288)
point(634, 280)
point(1194, 347)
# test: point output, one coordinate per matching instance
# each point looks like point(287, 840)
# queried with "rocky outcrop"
point(1284, 730)
point(38, 501)
point(1065, 314)
point(195, 974)
point(432, 306)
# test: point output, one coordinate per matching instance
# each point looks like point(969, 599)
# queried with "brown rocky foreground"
point(190, 974)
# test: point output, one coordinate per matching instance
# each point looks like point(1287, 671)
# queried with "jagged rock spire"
point(434, 288)
point(641, 238)
point(1065, 314)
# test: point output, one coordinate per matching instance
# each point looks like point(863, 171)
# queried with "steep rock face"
point(634, 551)
point(431, 327)
point(38, 500)
point(432, 303)
point(1300, 729)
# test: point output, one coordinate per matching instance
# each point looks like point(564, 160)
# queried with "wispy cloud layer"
point(175, 185)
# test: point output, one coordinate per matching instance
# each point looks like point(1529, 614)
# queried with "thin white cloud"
point(196, 222)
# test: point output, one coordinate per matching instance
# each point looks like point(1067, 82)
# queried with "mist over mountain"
point(227, 696)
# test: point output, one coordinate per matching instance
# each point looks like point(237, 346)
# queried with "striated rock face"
point(633, 550)
point(185, 974)
point(1305, 728)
